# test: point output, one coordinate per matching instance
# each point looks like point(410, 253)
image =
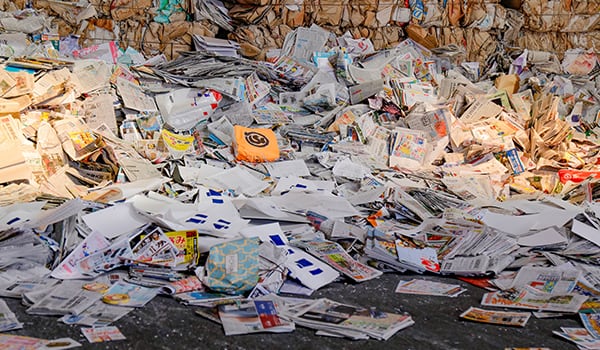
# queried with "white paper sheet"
point(288, 168)
point(115, 221)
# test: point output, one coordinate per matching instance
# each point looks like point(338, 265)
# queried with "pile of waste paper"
point(231, 184)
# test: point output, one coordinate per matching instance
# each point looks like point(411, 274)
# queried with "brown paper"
point(510, 83)
point(421, 36)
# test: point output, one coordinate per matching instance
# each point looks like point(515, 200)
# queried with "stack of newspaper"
point(342, 320)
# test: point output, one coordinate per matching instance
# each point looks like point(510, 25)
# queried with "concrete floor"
point(166, 324)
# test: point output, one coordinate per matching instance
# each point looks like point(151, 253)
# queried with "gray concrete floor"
point(165, 324)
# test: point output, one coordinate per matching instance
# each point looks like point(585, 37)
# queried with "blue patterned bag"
point(232, 267)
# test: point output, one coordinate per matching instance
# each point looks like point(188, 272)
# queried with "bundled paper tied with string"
point(479, 45)
point(563, 16)
point(172, 38)
point(557, 42)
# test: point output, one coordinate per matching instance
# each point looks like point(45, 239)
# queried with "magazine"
point(183, 285)
point(334, 255)
point(252, 317)
point(504, 318)
point(102, 334)
point(128, 294)
point(351, 321)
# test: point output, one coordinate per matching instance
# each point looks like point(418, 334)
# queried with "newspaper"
point(67, 298)
point(98, 315)
point(253, 316)
point(518, 319)
point(351, 321)
point(535, 300)
point(18, 288)
point(424, 287)
point(333, 254)
point(8, 320)
point(547, 280)
point(134, 97)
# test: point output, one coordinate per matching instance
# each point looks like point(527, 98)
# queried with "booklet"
point(128, 294)
point(102, 334)
point(528, 299)
point(252, 317)
point(504, 318)
point(183, 285)
point(423, 287)
point(151, 246)
point(333, 254)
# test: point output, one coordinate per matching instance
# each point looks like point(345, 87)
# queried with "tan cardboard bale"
point(513, 4)
point(279, 33)
point(454, 12)
point(131, 33)
point(98, 31)
point(151, 39)
point(393, 35)
point(254, 2)
point(204, 28)
point(421, 36)
point(273, 17)
point(559, 42)
point(385, 8)
point(67, 12)
point(328, 14)
point(124, 9)
point(356, 15)
point(293, 18)
point(178, 16)
point(175, 30)
point(10, 6)
point(250, 51)
point(480, 45)
point(436, 16)
point(173, 50)
point(560, 7)
point(248, 14)
point(370, 19)
point(64, 28)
